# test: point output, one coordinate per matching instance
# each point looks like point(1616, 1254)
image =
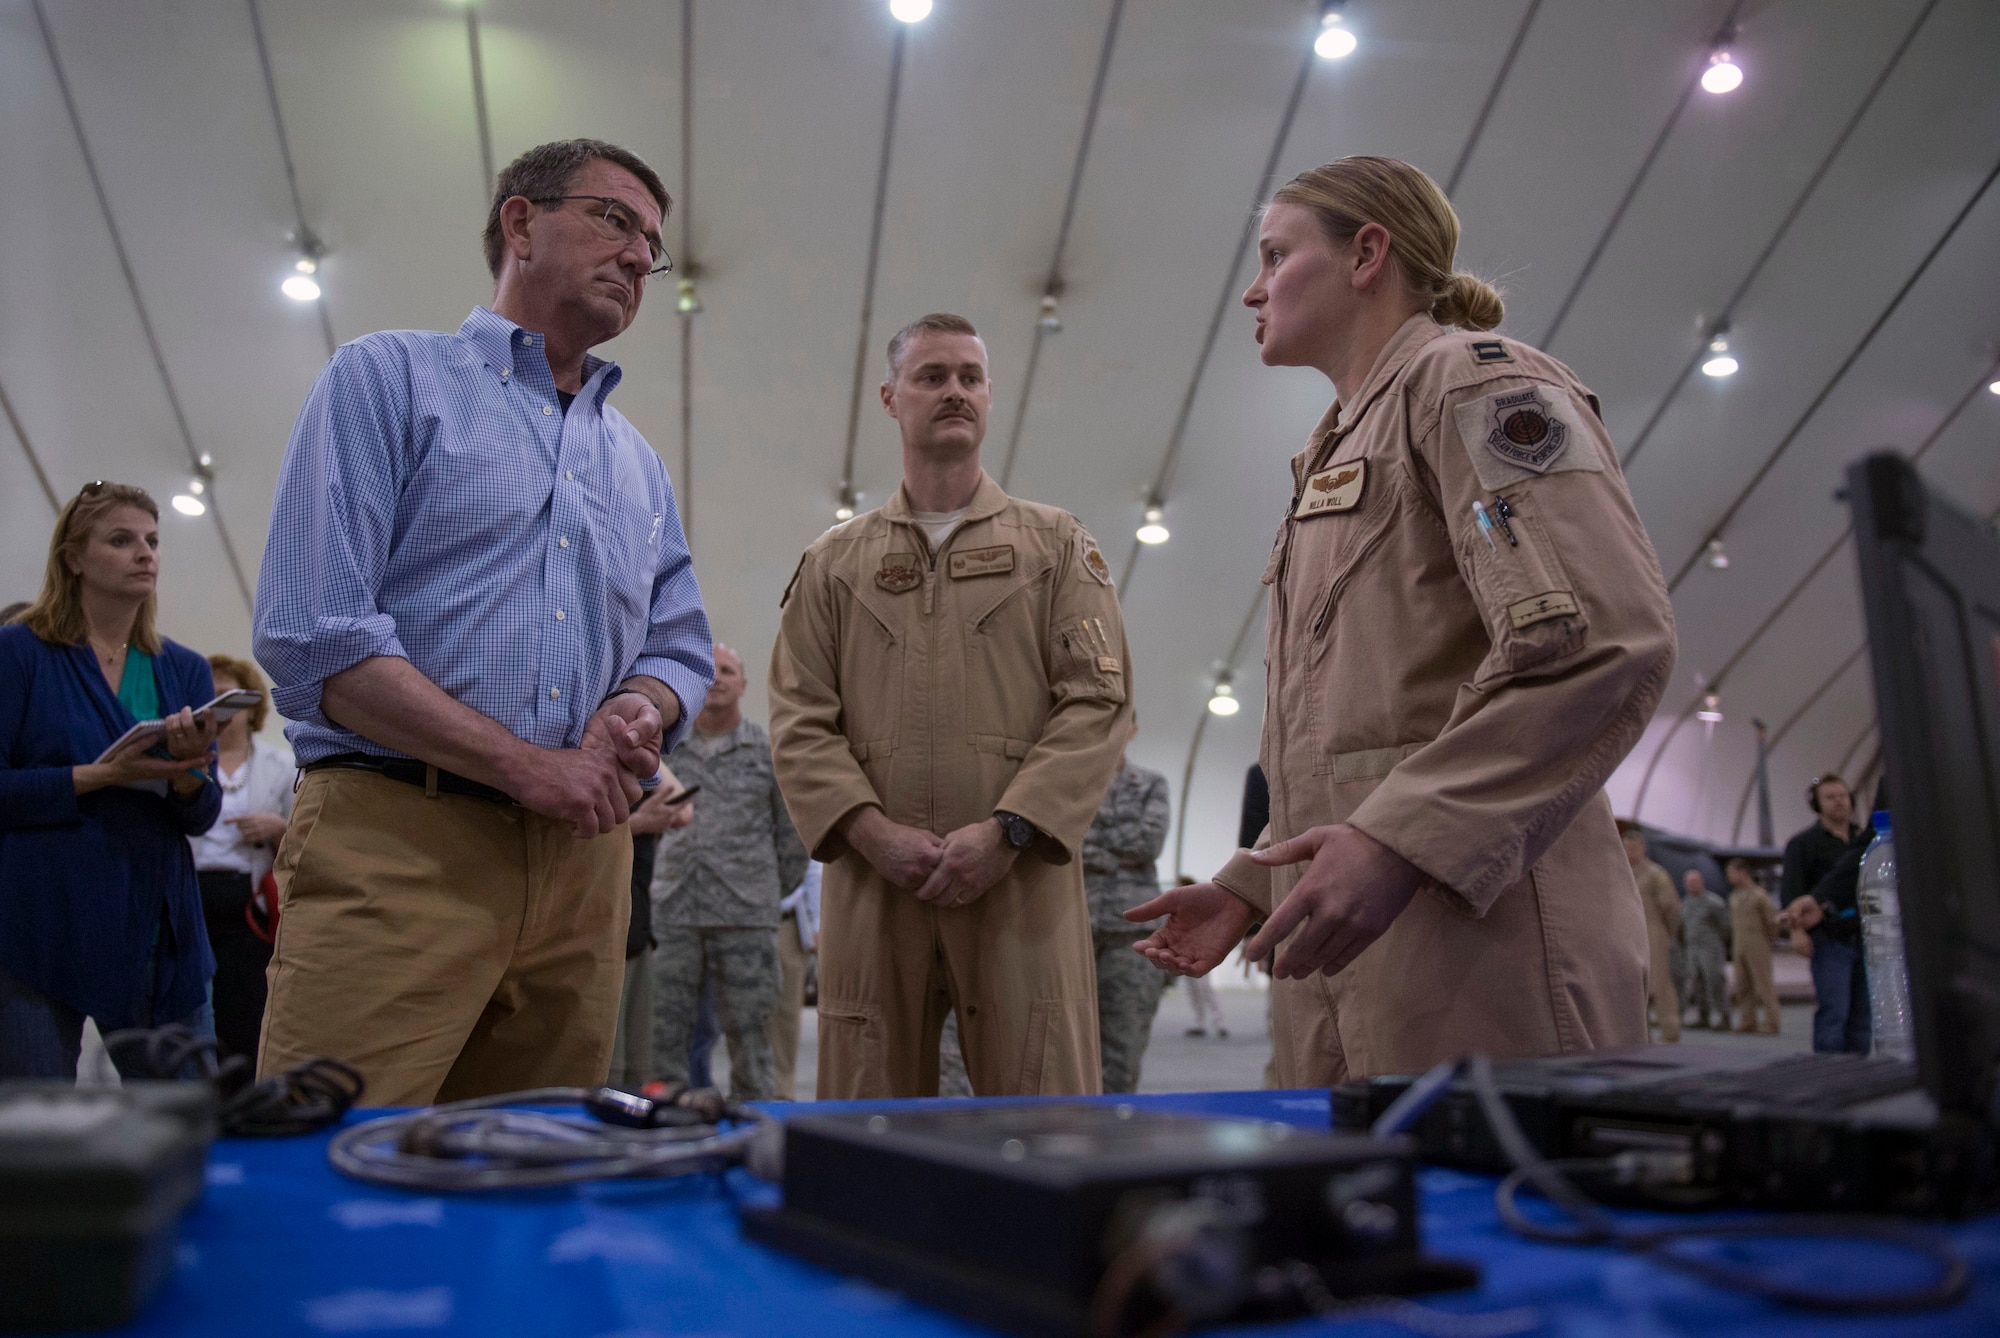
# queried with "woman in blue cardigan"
point(100, 912)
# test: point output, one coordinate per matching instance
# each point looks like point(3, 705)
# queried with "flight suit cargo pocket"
point(1526, 596)
point(1011, 749)
point(874, 755)
point(851, 1044)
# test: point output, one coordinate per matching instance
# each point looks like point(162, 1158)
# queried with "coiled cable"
point(490, 1143)
point(300, 1100)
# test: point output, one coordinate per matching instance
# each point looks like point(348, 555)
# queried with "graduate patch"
point(899, 572)
point(1524, 431)
point(1335, 489)
point(981, 562)
point(1527, 432)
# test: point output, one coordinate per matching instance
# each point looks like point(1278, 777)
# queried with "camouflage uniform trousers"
point(1706, 964)
point(1128, 995)
point(748, 976)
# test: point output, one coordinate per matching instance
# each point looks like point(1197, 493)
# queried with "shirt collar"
point(989, 500)
point(1410, 336)
point(503, 344)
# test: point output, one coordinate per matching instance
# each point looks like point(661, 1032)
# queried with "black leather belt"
point(431, 780)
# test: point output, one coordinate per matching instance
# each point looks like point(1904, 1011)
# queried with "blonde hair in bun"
point(1350, 193)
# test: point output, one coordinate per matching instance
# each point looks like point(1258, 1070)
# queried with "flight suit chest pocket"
point(1005, 615)
point(874, 650)
point(1524, 592)
point(1330, 549)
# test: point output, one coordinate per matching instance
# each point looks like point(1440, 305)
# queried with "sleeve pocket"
point(1526, 597)
point(1088, 661)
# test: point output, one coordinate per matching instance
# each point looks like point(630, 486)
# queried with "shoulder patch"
point(1489, 350)
point(1525, 432)
point(1091, 558)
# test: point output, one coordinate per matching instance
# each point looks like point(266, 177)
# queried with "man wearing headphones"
point(1840, 980)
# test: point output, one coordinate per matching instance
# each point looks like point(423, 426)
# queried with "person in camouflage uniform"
point(717, 883)
point(1119, 852)
point(1705, 925)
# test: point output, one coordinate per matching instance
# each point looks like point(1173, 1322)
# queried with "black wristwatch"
point(1017, 830)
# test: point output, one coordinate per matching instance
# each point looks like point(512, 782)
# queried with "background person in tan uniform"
point(1663, 929)
point(1446, 694)
point(1753, 920)
point(948, 702)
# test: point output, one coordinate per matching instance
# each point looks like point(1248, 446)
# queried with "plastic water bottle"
point(1882, 938)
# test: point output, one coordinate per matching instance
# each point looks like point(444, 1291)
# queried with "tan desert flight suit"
point(1663, 928)
point(1753, 928)
point(1463, 703)
point(990, 675)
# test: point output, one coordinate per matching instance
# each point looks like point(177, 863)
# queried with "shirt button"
point(570, 475)
point(554, 693)
point(503, 374)
point(559, 615)
point(548, 409)
point(563, 542)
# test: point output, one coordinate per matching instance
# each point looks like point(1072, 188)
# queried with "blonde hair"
point(56, 616)
point(1350, 193)
point(245, 673)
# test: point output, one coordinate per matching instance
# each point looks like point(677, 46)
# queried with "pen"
point(1485, 523)
point(1506, 513)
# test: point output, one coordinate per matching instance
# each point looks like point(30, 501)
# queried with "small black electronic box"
point(93, 1182)
point(1101, 1218)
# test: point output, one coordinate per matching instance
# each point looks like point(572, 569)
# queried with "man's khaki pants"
point(1016, 965)
point(446, 947)
point(794, 958)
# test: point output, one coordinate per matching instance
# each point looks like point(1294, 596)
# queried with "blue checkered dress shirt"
point(436, 504)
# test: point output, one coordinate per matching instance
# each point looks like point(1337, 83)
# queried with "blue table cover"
point(280, 1244)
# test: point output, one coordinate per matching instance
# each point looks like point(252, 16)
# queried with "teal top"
point(139, 690)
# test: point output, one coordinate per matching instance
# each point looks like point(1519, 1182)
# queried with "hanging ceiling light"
point(197, 487)
point(1715, 555)
point(1718, 362)
point(910, 11)
point(843, 510)
point(1222, 697)
point(1995, 387)
point(1711, 709)
point(1334, 41)
point(1723, 74)
point(300, 285)
point(1049, 320)
point(188, 504)
point(1154, 531)
point(687, 301)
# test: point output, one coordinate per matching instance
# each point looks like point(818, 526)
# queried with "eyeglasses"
point(618, 222)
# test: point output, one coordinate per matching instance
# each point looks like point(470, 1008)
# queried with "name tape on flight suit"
point(1525, 433)
point(1335, 489)
point(1540, 608)
point(981, 562)
point(899, 572)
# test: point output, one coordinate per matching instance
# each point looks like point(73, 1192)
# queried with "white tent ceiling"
point(1594, 145)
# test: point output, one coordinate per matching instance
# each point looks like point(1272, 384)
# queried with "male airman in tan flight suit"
point(948, 704)
point(1446, 694)
point(1663, 930)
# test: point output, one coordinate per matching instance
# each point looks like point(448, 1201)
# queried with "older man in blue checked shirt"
point(480, 614)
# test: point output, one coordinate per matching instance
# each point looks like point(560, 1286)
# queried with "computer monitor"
point(1930, 586)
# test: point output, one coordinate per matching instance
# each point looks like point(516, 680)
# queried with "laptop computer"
point(1813, 1131)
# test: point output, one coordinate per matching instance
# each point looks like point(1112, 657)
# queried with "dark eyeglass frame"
point(662, 262)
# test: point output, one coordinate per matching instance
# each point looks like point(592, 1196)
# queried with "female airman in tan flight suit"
point(1468, 630)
